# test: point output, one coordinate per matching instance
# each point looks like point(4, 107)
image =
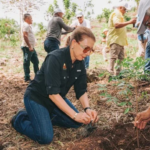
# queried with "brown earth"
point(114, 129)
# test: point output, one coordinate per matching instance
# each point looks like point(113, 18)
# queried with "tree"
point(41, 30)
point(55, 4)
point(88, 9)
point(106, 13)
point(67, 4)
point(9, 30)
point(23, 6)
point(70, 10)
point(99, 17)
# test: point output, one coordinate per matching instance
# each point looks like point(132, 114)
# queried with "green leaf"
point(127, 110)
point(129, 103)
point(122, 103)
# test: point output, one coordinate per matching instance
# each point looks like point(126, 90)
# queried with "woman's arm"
point(85, 104)
point(62, 105)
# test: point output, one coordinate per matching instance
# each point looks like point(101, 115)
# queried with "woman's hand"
point(92, 114)
point(142, 118)
point(83, 118)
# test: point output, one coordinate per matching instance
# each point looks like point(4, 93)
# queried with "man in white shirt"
point(80, 21)
point(28, 44)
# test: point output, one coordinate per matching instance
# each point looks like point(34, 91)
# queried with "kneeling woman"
point(45, 98)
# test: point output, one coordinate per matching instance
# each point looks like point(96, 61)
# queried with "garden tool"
point(88, 129)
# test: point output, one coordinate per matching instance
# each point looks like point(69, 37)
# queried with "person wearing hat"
point(142, 118)
point(117, 37)
point(81, 21)
point(54, 31)
point(106, 48)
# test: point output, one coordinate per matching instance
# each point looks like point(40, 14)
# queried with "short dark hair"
point(80, 32)
point(26, 15)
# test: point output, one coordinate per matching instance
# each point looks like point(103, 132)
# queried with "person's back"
point(54, 31)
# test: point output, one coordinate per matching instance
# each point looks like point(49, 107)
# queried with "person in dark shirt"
point(54, 31)
point(45, 97)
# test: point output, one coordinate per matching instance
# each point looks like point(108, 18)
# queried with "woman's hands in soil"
point(83, 118)
point(142, 118)
point(92, 114)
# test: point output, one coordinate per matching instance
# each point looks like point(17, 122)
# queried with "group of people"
point(52, 41)
point(45, 99)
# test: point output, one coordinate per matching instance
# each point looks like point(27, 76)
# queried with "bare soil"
point(114, 131)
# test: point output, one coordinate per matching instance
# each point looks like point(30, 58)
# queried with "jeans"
point(87, 61)
point(147, 56)
point(37, 123)
point(27, 57)
point(51, 45)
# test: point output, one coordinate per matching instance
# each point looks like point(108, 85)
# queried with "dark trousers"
point(27, 57)
point(51, 44)
point(37, 124)
point(147, 56)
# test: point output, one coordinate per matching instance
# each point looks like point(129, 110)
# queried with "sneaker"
point(14, 117)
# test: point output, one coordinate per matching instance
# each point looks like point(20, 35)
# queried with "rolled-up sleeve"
point(80, 85)
point(52, 75)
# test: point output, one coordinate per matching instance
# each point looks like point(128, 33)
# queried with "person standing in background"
point(54, 31)
point(117, 36)
point(28, 44)
point(80, 21)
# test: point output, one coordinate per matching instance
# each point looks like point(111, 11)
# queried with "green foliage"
point(134, 68)
point(8, 27)
point(106, 13)
point(67, 4)
point(41, 29)
point(55, 4)
point(74, 7)
point(50, 10)
point(99, 17)
point(9, 30)
point(70, 10)
point(127, 18)
point(137, 1)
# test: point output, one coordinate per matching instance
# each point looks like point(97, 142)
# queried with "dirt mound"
point(121, 137)
point(95, 74)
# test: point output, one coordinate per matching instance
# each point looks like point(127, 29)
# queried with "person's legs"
point(26, 62)
point(113, 56)
point(120, 59)
point(86, 61)
point(51, 45)
point(59, 118)
point(104, 50)
point(142, 47)
point(34, 122)
point(147, 56)
point(35, 61)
